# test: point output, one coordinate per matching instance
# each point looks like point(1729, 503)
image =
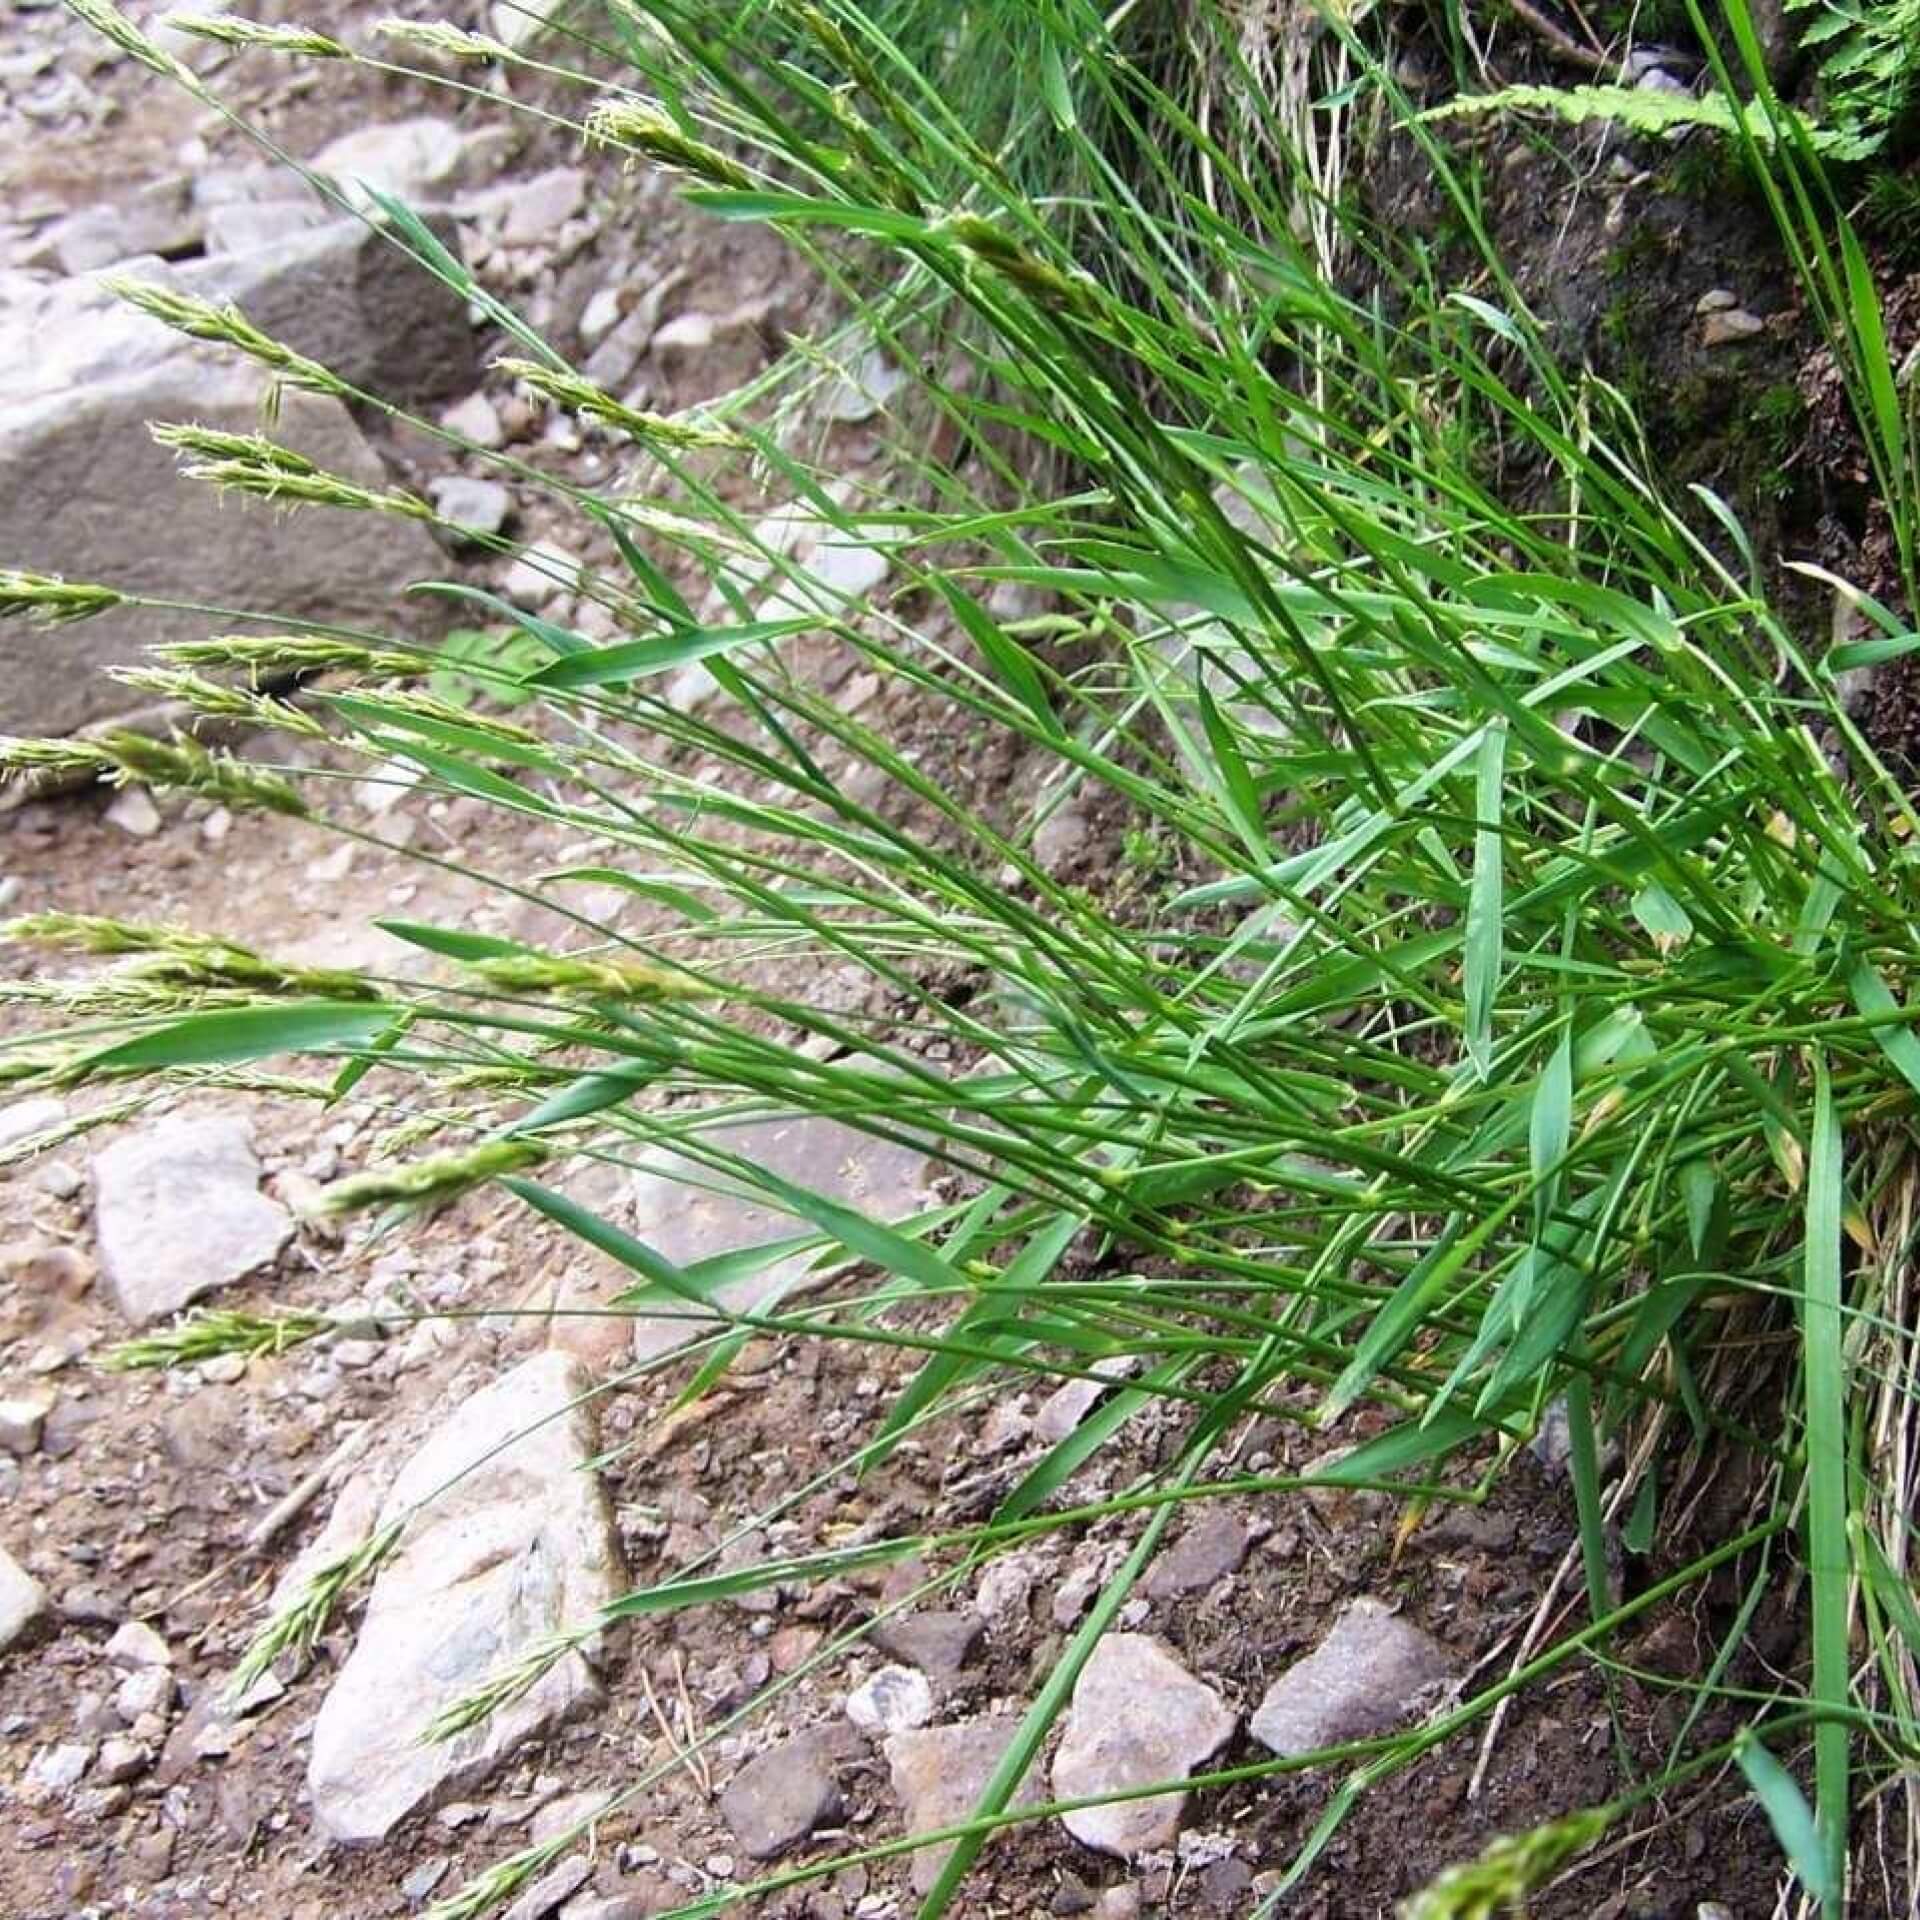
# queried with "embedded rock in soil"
point(1212, 1547)
point(685, 1223)
point(1138, 1716)
point(23, 1600)
point(80, 377)
point(22, 1417)
point(513, 1543)
point(535, 209)
point(475, 507)
point(179, 1211)
point(551, 1888)
point(245, 226)
point(409, 159)
point(893, 1700)
point(782, 1795)
point(160, 218)
point(22, 1119)
point(1362, 1679)
point(938, 1643)
point(938, 1776)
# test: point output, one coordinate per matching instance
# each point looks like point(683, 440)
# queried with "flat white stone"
point(506, 1541)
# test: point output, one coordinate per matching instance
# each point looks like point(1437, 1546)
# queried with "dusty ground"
point(140, 1500)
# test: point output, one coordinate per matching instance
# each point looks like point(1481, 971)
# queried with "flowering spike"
point(439, 1177)
point(228, 326)
point(48, 598)
point(646, 130)
point(232, 31)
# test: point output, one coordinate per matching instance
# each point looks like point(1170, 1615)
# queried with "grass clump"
point(1508, 1000)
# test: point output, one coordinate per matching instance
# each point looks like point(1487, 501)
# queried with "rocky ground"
point(148, 1522)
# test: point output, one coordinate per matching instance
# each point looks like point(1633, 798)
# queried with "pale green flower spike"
point(122, 755)
point(1509, 1868)
point(227, 325)
point(412, 700)
point(438, 36)
point(184, 959)
point(232, 31)
point(252, 464)
point(206, 1333)
point(215, 698)
point(583, 397)
point(500, 1882)
point(109, 20)
point(46, 597)
point(302, 1621)
point(566, 973)
point(646, 130)
point(277, 653)
point(501, 1689)
point(438, 1178)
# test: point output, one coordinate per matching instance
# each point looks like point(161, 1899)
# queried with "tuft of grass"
point(1526, 1009)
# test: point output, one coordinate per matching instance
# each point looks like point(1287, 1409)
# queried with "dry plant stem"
point(1557, 39)
point(302, 1494)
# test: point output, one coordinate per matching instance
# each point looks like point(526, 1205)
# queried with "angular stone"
point(782, 1795)
point(1070, 1402)
point(1364, 1678)
point(474, 506)
point(23, 1601)
point(475, 418)
point(536, 208)
point(513, 1543)
point(248, 226)
point(408, 159)
point(938, 1643)
point(134, 813)
point(553, 1886)
point(122, 1758)
point(80, 378)
point(54, 1769)
point(544, 572)
point(1729, 328)
point(610, 365)
point(22, 1416)
point(135, 1644)
point(146, 1690)
point(179, 1211)
point(685, 1222)
point(1213, 1545)
point(938, 1775)
point(1138, 1716)
point(23, 1119)
point(891, 1701)
point(161, 218)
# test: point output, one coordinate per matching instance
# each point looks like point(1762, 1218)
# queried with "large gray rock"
point(178, 1211)
point(1364, 1678)
point(347, 295)
point(687, 1222)
point(22, 1600)
point(1138, 1717)
point(512, 1543)
point(87, 494)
